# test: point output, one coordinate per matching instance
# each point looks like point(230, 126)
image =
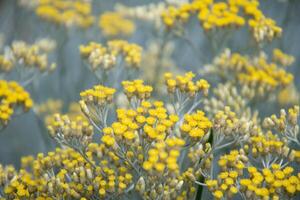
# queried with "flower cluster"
point(227, 95)
point(228, 123)
point(229, 14)
point(114, 24)
point(185, 84)
point(257, 76)
point(267, 147)
point(101, 57)
point(150, 13)
point(282, 58)
point(286, 124)
point(94, 103)
point(232, 166)
point(263, 29)
point(137, 89)
point(31, 56)
point(73, 174)
point(12, 97)
point(162, 158)
point(76, 133)
point(149, 122)
point(195, 126)
point(274, 182)
point(66, 12)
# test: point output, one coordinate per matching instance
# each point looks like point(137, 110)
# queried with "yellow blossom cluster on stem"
point(273, 182)
point(162, 158)
point(99, 95)
point(95, 103)
point(287, 124)
point(113, 24)
point(185, 84)
point(137, 89)
point(265, 145)
point(195, 126)
point(76, 133)
point(67, 13)
point(103, 57)
point(75, 175)
point(232, 166)
point(256, 75)
point(12, 97)
point(30, 56)
point(228, 123)
point(132, 52)
point(282, 58)
point(148, 122)
point(213, 15)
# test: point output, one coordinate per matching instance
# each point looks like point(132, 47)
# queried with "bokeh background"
point(25, 134)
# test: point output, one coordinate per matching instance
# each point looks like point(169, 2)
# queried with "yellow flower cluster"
point(149, 121)
point(32, 55)
point(114, 24)
point(137, 89)
point(66, 12)
point(265, 144)
point(195, 125)
point(228, 14)
point(185, 84)
point(77, 133)
point(287, 124)
point(227, 122)
point(256, 73)
point(274, 182)
point(285, 120)
point(282, 58)
point(131, 52)
point(267, 75)
point(5, 64)
point(12, 96)
point(264, 29)
point(99, 56)
point(74, 175)
point(232, 166)
point(99, 95)
point(162, 158)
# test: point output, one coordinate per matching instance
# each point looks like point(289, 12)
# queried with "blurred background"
point(26, 135)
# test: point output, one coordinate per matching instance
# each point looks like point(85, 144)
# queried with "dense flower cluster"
point(66, 12)
point(137, 89)
point(13, 98)
point(31, 56)
point(101, 57)
point(114, 24)
point(257, 75)
point(94, 103)
point(229, 14)
point(195, 125)
point(74, 133)
point(274, 182)
point(286, 124)
point(232, 166)
point(185, 84)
